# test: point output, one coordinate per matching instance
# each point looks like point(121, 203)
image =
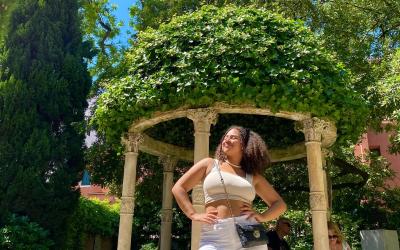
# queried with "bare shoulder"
point(204, 164)
point(195, 174)
point(207, 161)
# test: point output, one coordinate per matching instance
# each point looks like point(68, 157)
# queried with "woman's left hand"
point(246, 209)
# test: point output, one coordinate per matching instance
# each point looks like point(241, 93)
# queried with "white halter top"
point(238, 188)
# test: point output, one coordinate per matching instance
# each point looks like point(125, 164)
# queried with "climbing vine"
point(235, 55)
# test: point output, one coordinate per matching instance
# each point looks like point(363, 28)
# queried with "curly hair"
point(255, 153)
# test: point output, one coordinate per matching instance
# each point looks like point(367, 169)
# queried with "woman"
point(336, 239)
point(241, 157)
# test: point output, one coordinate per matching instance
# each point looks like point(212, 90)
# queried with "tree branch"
point(347, 168)
point(365, 9)
point(107, 28)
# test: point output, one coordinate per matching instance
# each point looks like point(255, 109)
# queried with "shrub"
point(20, 233)
point(94, 217)
point(149, 246)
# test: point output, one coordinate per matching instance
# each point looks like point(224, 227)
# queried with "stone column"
point(202, 119)
point(131, 142)
point(169, 164)
point(313, 129)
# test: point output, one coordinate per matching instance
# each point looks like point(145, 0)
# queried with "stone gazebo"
point(226, 61)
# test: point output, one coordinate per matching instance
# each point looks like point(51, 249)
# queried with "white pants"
point(223, 236)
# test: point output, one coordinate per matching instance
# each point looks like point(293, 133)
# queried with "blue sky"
point(122, 13)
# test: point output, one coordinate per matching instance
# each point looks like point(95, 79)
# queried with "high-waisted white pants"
point(223, 236)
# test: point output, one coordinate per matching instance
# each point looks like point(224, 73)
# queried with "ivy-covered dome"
point(233, 55)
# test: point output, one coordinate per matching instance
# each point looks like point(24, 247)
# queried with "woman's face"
point(232, 144)
point(333, 237)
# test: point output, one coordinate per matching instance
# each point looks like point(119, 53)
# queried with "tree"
point(43, 87)
point(101, 27)
point(5, 8)
point(20, 233)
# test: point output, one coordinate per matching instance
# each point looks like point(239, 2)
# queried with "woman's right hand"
point(210, 217)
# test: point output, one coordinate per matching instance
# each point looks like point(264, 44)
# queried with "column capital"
point(202, 118)
point(168, 162)
point(315, 130)
point(131, 142)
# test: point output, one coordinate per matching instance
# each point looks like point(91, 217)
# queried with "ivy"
point(93, 217)
point(235, 55)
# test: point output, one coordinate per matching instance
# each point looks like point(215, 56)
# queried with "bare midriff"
point(221, 206)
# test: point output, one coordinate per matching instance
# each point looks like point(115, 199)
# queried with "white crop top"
point(238, 188)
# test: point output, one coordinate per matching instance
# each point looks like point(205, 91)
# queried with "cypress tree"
point(44, 83)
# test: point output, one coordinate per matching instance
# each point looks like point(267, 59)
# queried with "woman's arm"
point(268, 194)
point(186, 183)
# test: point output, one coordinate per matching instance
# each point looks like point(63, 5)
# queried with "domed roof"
point(231, 55)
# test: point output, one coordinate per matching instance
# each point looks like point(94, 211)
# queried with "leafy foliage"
point(293, 184)
point(301, 231)
point(373, 205)
point(232, 55)
point(101, 29)
point(43, 89)
point(5, 9)
point(385, 94)
point(95, 217)
point(357, 30)
point(149, 246)
point(20, 233)
point(106, 164)
point(92, 217)
point(364, 35)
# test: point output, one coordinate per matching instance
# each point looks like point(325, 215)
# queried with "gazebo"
point(227, 61)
